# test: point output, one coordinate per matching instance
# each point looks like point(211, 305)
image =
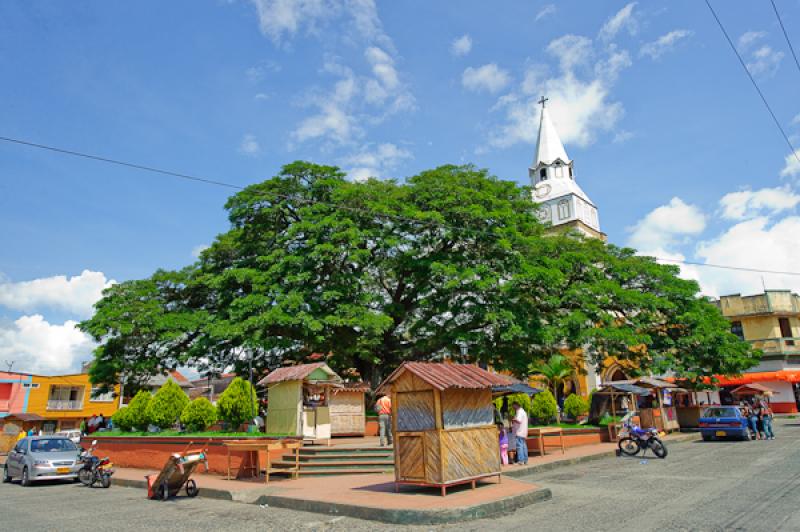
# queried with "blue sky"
point(668, 136)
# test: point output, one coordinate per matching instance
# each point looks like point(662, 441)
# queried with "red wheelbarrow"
point(176, 474)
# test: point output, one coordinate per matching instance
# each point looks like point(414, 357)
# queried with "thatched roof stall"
point(443, 423)
point(298, 400)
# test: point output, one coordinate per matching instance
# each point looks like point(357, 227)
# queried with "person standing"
point(765, 413)
point(520, 428)
point(384, 408)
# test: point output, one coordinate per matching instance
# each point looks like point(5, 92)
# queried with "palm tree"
point(557, 372)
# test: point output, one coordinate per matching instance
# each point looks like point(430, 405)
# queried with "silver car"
point(42, 458)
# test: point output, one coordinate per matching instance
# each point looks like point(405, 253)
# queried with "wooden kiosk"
point(443, 424)
point(299, 400)
point(348, 409)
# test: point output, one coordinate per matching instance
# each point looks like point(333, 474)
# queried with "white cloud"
point(796, 119)
point(622, 136)
point(752, 244)
point(375, 161)
point(280, 18)
point(666, 225)
point(40, 347)
point(461, 46)
point(579, 94)
point(490, 78)
point(197, 250)
point(746, 204)
point(761, 59)
point(249, 145)
point(623, 19)
point(546, 10)
point(792, 165)
point(75, 294)
point(664, 44)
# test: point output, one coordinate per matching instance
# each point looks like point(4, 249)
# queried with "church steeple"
point(561, 201)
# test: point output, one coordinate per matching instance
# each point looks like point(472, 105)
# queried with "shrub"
point(521, 398)
point(166, 406)
point(199, 414)
point(137, 410)
point(238, 403)
point(122, 419)
point(575, 406)
point(544, 407)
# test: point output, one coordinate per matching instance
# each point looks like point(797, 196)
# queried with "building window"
point(736, 328)
point(543, 174)
point(570, 171)
point(33, 385)
point(563, 210)
point(96, 397)
point(786, 330)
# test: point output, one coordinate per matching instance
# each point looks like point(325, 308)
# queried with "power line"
point(274, 196)
point(753, 81)
point(786, 35)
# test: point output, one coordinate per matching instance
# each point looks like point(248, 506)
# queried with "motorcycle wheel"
point(628, 446)
point(191, 488)
point(659, 449)
point(85, 476)
point(105, 481)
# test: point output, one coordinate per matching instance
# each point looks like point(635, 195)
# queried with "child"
point(503, 443)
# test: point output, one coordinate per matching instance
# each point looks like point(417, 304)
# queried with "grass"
point(567, 426)
point(202, 434)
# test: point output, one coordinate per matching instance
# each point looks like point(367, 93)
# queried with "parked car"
point(42, 458)
point(72, 434)
point(724, 422)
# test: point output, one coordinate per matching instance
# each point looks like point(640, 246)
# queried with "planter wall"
point(371, 427)
point(572, 438)
point(152, 452)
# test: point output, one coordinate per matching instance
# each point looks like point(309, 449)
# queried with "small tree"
point(199, 414)
point(122, 419)
point(575, 406)
point(167, 404)
point(137, 410)
point(557, 371)
point(238, 403)
point(544, 407)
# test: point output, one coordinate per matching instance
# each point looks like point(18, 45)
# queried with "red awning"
point(785, 375)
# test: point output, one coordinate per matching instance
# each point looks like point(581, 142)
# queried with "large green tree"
point(378, 272)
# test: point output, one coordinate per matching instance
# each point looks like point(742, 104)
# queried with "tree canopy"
point(377, 272)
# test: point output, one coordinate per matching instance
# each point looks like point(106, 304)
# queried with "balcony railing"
point(777, 346)
point(64, 405)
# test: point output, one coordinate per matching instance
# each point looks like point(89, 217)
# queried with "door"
point(309, 423)
point(15, 458)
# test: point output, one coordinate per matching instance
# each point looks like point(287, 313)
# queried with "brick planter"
point(152, 452)
point(572, 438)
point(371, 428)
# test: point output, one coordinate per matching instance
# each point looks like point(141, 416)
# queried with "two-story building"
point(771, 323)
point(15, 389)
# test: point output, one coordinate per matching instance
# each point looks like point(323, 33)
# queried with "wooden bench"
point(254, 450)
point(540, 433)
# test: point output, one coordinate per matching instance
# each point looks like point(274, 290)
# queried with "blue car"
point(724, 422)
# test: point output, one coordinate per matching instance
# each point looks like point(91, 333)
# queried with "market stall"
point(443, 423)
point(691, 402)
point(616, 399)
point(657, 409)
point(298, 400)
point(348, 409)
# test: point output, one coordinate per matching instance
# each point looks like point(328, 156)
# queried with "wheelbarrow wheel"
point(163, 492)
point(191, 488)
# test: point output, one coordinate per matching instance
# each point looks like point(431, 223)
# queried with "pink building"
point(14, 391)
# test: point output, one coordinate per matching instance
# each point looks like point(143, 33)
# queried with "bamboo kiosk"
point(443, 424)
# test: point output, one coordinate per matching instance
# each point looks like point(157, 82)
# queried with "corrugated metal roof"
point(295, 373)
point(352, 387)
point(444, 376)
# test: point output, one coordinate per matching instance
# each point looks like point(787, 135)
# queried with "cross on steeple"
point(543, 101)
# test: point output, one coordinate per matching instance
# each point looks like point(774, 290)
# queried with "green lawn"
point(171, 433)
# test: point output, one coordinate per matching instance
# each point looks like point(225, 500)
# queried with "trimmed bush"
point(575, 406)
point(199, 415)
point(238, 403)
point(166, 406)
point(521, 398)
point(544, 407)
point(137, 410)
point(122, 419)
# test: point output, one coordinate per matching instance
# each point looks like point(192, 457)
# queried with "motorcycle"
point(637, 439)
point(95, 469)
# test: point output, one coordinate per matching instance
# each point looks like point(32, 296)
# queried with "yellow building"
point(63, 401)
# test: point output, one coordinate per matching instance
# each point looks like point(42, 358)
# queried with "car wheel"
point(25, 481)
point(6, 476)
point(707, 437)
point(747, 436)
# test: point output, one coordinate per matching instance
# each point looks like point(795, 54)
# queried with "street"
point(700, 486)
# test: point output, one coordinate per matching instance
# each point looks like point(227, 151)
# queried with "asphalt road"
point(715, 486)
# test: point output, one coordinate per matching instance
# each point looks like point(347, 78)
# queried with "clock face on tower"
point(542, 190)
point(543, 213)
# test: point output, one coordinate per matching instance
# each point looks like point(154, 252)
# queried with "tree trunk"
point(555, 394)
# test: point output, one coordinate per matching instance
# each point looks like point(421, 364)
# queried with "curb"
point(209, 493)
point(409, 516)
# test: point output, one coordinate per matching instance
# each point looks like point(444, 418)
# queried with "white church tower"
point(562, 203)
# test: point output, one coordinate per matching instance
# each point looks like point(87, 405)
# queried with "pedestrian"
point(766, 421)
point(83, 427)
point(31, 432)
point(21, 434)
point(520, 428)
point(384, 408)
point(503, 440)
point(752, 420)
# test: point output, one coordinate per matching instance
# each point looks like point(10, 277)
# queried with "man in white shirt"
point(519, 427)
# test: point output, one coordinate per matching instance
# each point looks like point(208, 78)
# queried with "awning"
point(784, 375)
point(622, 387)
point(751, 389)
point(517, 387)
point(25, 417)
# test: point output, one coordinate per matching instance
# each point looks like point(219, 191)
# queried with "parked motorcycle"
point(95, 470)
point(637, 439)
